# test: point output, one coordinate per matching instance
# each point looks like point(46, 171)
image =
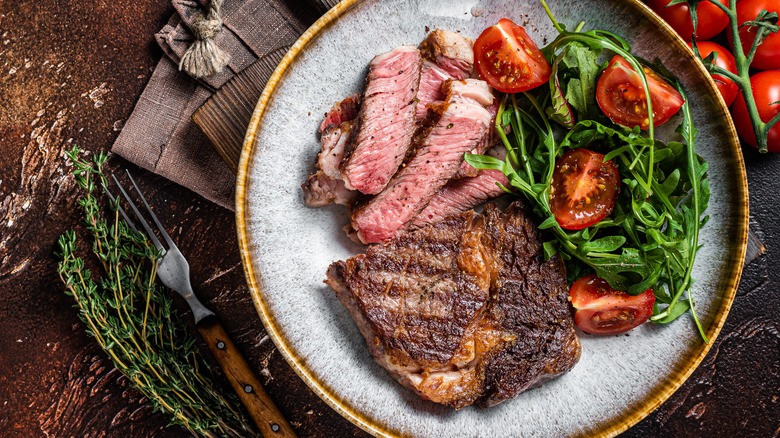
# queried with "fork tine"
point(149, 209)
point(121, 210)
point(141, 219)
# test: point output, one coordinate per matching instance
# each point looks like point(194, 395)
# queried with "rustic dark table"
point(70, 72)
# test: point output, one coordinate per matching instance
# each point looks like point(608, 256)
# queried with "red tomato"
point(584, 189)
point(711, 20)
point(507, 58)
point(621, 96)
point(601, 310)
point(728, 89)
point(766, 90)
point(768, 53)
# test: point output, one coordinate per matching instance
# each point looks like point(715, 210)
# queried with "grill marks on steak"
point(465, 310)
point(531, 301)
point(386, 121)
point(463, 121)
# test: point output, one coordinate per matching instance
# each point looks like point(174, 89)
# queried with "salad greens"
point(651, 238)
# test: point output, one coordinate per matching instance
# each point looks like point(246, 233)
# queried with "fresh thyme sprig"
point(133, 320)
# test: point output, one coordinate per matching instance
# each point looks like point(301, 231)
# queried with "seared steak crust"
point(531, 301)
point(465, 310)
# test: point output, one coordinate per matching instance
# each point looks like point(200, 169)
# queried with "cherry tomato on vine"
point(766, 90)
point(601, 310)
point(728, 89)
point(584, 189)
point(621, 96)
point(508, 59)
point(768, 53)
point(711, 20)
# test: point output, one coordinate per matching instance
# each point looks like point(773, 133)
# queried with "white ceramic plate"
point(287, 247)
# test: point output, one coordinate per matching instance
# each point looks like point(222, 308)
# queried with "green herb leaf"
point(605, 244)
point(581, 89)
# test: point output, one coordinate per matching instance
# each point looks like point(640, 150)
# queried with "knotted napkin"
point(160, 135)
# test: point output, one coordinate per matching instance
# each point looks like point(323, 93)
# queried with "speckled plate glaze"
point(287, 247)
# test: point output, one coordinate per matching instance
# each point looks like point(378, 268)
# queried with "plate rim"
point(612, 427)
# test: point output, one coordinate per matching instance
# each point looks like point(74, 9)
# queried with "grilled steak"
point(325, 186)
point(465, 310)
point(461, 195)
point(463, 122)
point(448, 55)
point(385, 122)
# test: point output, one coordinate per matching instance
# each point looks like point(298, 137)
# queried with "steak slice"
point(463, 311)
point(447, 55)
point(386, 121)
point(463, 122)
point(460, 195)
point(451, 51)
point(325, 186)
point(341, 112)
point(488, 141)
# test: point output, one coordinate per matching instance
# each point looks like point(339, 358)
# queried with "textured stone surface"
point(70, 72)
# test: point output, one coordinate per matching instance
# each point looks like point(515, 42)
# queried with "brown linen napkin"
point(160, 135)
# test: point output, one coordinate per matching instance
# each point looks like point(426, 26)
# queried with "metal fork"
point(174, 272)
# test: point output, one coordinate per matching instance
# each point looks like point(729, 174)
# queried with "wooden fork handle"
point(262, 409)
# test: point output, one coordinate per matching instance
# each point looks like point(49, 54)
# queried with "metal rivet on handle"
point(275, 427)
point(248, 389)
point(221, 345)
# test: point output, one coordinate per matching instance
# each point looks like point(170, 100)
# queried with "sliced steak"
point(341, 112)
point(461, 195)
point(333, 141)
point(386, 121)
point(320, 190)
point(462, 123)
point(325, 186)
point(448, 55)
point(451, 51)
point(488, 141)
point(465, 310)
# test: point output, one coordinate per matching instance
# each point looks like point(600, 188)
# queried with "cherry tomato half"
point(728, 89)
point(508, 59)
point(768, 53)
point(601, 310)
point(711, 20)
point(584, 189)
point(621, 96)
point(766, 90)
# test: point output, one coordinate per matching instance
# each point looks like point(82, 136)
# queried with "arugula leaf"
point(560, 111)
point(581, 89)
point(605, 244)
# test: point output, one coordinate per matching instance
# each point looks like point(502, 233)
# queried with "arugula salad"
point(621, 207)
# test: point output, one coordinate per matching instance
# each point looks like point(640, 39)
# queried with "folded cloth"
point(159, 135)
